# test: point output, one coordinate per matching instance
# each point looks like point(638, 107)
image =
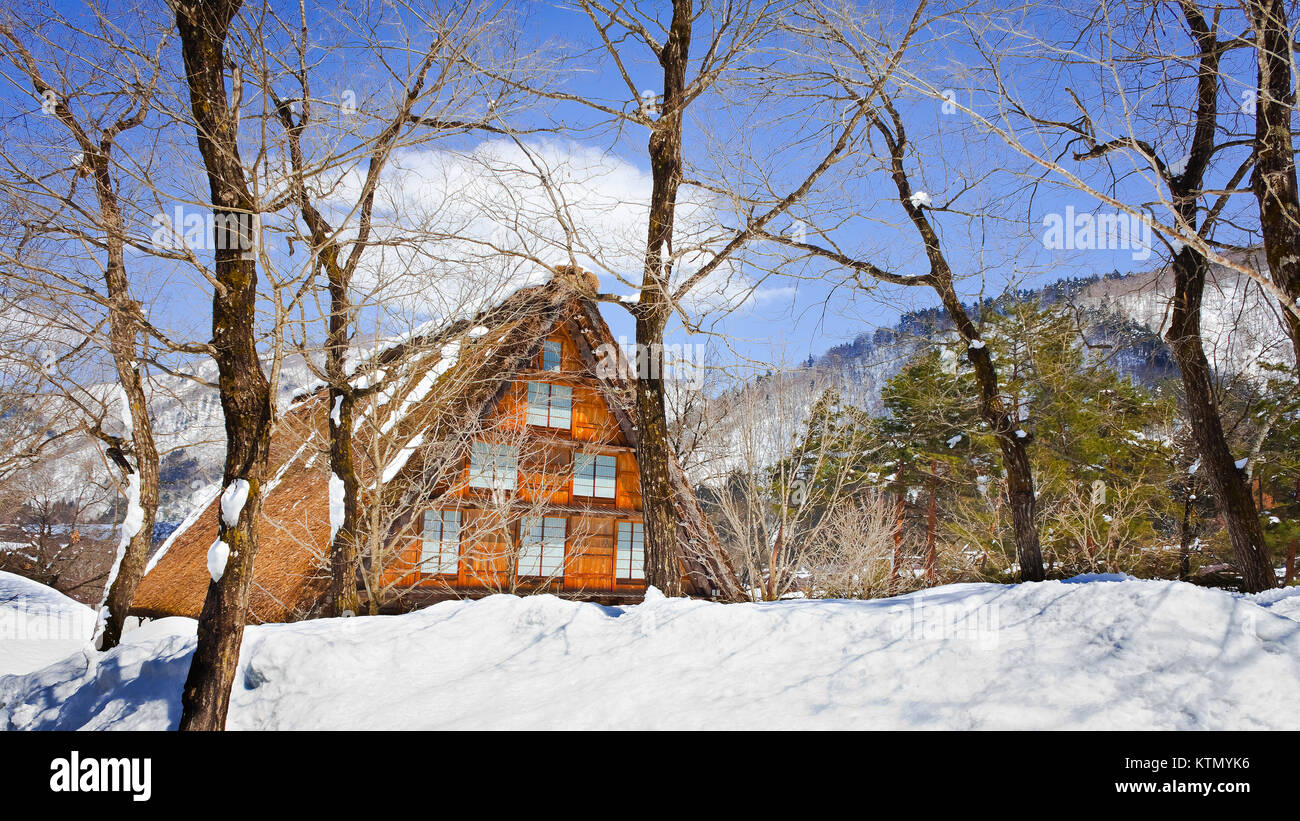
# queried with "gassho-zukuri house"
point(496, 455)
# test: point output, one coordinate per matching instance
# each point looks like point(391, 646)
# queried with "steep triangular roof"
point(431, 384)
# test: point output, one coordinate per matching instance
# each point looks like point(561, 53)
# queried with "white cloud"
point(470, 227)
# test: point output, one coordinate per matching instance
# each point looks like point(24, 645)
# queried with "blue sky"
point(790, 318)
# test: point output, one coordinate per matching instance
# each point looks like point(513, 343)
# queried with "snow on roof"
point(428, 398)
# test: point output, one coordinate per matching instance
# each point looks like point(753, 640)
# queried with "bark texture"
point(203, 26)
point(1190, 268)
point(662, 552)
point(1274, 179)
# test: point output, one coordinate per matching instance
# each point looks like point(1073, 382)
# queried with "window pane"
point(530, 537)
point(606, 477)
point(440, 548)
point(549, 405)
point(551, 356)
point(553, 547)
point(541, 548)
point(537, 403)
point(493, 466)
point(561, 405)
point(631, 550)
point(595, 475)
point(584, 474)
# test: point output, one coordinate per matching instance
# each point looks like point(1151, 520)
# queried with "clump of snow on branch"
point(232, 502)
point(218, 554)
point(336, 504)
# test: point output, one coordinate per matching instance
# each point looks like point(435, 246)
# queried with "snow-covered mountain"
point(1241, 325)
point(1127, 314)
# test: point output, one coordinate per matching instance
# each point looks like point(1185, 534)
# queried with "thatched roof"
point(438, 381)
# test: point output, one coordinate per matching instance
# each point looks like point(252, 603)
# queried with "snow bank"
point(39, 626)
point(1096, 652)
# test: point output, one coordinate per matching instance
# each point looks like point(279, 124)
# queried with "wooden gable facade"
point(548, 498)
point(499, 456)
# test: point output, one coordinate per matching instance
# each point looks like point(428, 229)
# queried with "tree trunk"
point(131, 564)
point(1013, 446)
point(773, 586)
point(1231, 489)
point(1274, 179)
point(124, 332)
point(245, 393)
point(896, 559)
point(124, 321)
point(663, 554)
point(343, 596)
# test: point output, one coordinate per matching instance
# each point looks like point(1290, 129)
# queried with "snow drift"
point(1094, 652)
point(38, 626)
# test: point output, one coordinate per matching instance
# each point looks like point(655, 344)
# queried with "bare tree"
point(853, 51)
point(246, 400)
point(1186, 187)
point(96, 110)
point(1274, 176)
point(855, 555)
point(775, 489)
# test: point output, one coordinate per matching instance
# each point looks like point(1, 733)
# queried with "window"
point(440, 550)
point(549, 405)
point(541, 547)
point(493, 466)
point(630, 561)
point(551, 352)
point(594, 475)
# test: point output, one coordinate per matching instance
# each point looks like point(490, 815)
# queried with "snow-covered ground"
point(38, 626)
point(1098, 652)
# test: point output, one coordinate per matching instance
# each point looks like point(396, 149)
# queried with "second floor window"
point(549, 405)
point(594, 475)
point(493, 466)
